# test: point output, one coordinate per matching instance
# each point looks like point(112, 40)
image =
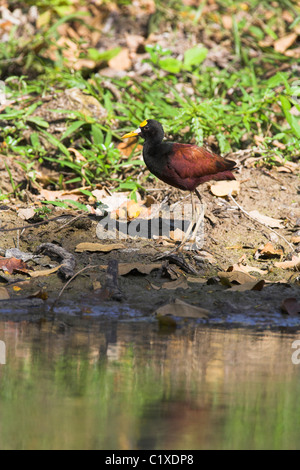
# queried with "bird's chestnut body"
point(184, 166)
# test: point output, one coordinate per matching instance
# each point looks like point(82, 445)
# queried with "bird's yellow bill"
point(131, 134)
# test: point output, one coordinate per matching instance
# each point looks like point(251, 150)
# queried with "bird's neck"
point(152, 143)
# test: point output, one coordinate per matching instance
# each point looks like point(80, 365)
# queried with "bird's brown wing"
point(191, 161)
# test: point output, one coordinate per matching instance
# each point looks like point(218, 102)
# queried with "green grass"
point(236, 104)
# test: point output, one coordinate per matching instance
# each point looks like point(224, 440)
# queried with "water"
point(128, 385)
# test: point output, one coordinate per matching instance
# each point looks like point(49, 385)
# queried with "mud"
point(229, 235)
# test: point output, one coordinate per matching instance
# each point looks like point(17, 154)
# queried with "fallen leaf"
point(223, 188)
point(268, 251)
point(11, 265)
point(127, 146)
point(177, 235)
point(94, 247)
point(17, 288)
point(227, 278)
point(227, 21)
point(295, 239)
point(242, 266)
point(293, 264)
point(4, 295)
point(295, 53)
point(133, 210)
point(253, 285)
point(134, 41)
point(126, 268)
point(40, 294)
point(264, 219)
point(26, 214)
point(284, 43)
point(183, 310)
point(44, 272)
point(121, 62)
point(291, 306)
point(180, 283)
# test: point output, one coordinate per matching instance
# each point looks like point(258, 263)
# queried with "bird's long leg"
point(190, 227)
point(199, 217)
point(198, 195)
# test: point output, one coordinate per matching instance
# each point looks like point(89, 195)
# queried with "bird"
point(183, 166)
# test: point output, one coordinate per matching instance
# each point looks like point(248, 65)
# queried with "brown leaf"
point(121, 62)
point(180, 283)
point(242, 266)
point(235, 276)
point(44, 272)
point(129, 210)
point(177, 235)
point(293, 264)
point(268, 251)
point(126, 268)
point(4, 295)
point(253, 285)
point(183, 310)
point(13, 265)
point(27, 213)
point(284, 43)
point(223, 188)
point(269, 221)
point(94, 247)
point(227, 21)
point(291, 306)
point(127, 146)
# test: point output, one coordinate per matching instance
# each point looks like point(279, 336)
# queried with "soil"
point(229, 236)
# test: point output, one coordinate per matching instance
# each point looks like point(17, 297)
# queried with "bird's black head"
point(150, 130)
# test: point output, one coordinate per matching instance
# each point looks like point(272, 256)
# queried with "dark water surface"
point(127, 385)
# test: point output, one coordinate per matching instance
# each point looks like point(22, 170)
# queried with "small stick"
point(24, 227)
point(90, 266)
point(265, 225)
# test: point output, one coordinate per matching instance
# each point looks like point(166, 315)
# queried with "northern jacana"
point(184, 166)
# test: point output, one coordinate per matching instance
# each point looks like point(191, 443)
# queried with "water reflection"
point(115, 385)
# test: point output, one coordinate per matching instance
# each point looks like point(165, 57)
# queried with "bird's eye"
point(146, 128)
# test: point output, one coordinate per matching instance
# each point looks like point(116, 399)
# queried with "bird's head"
point(148, 130)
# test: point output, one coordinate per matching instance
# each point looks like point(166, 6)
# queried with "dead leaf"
point(26, 214)
point(268, 251)
point(284, 43)
point(134, 41)
point(180, 283)
point(245, 268)
point(227, 22)
point(293, 264)
point(121, 62)
point(264, 219)
point(126, 268)
point(291, 306)
point(4, 295)
point(278, 144)
point(177, 235)
point(227, 278)
point(40, 294)
point(127, 146)
point(223, 188)
point(295, 239)
point(253, 285)
point(295, 53)
point(94, 247)
point(242, 266)
point(259, 139)
point(11, 265)
point(183, 310)
point(44, 272)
